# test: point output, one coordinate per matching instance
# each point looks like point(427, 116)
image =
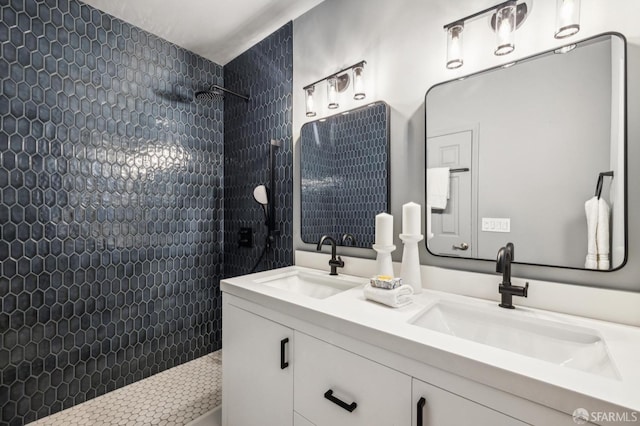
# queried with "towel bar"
point(600, 182)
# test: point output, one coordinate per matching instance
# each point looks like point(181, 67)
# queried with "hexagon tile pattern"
point(110, 211)
point(265, 72)
point(344, 174)
point(174, 397)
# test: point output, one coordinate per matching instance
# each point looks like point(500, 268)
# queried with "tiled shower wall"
point(111, 211)
point(265, 73)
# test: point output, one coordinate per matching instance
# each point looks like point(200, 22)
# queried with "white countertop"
point(544, 382)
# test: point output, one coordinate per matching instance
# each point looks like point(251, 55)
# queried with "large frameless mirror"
point(344, 168)
point(533, 154)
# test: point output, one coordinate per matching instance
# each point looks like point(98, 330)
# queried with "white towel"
point(396, 298)
point(438, 187)
point(597, 211)
point(591, 210)
point(602, 235)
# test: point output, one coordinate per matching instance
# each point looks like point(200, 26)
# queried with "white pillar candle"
point(384, 229)
point(411, 219)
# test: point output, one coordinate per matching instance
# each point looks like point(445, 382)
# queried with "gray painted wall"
point(405, 52)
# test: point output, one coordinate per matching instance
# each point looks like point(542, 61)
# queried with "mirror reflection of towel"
point(597, 211)
point(438, 187)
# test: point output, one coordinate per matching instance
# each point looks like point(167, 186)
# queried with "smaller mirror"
point(344, 168)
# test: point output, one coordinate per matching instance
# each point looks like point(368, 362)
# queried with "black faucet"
point(503, 265)
point(335, 262)
point(348, 238)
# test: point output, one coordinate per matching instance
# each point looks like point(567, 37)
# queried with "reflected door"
point(453, 226)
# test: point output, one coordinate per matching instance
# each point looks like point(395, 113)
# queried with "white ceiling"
point(219, 30)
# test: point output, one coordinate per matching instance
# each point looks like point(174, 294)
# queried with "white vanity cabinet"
point(298, 420)
point(336, 387)
point(257, 379)
point(282, 370)
point(435, 406)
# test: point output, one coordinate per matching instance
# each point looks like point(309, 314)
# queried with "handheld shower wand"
point(262, 195)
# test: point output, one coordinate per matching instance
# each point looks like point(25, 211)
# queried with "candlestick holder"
point(384, 265)
point(410, 271)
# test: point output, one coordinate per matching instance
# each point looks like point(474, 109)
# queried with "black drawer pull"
point(349, 407)
point(283, 363)
point(421, 404)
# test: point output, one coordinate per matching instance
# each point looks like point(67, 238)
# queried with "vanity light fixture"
point(332, 92)
point(567, 18)
point(337, 83)
point(454, 45)
point(358, 82)
point(308, 95)
point(506, 18)
point(506, 28)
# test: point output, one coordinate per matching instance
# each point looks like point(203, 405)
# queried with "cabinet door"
point(257, 376)
point(334, 387)
point(433, 406)
point(298, 420)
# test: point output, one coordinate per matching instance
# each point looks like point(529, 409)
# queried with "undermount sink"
point(562, 344)
point(316, 285)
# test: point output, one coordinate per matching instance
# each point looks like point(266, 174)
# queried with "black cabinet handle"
point(283, 363)
point(421, 404)
point(349, 407)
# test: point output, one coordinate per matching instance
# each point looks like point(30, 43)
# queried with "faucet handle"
point(514, 290)
point(337, 262)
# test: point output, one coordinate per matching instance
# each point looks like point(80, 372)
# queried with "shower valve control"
point(245, 237)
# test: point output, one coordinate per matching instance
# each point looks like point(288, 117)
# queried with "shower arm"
point(215, 86)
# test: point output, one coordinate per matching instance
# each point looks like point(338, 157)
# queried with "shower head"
point(261, 195)
point(216, 93)
point(209, 95)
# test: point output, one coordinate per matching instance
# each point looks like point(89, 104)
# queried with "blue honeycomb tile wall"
point(344, 169)
point(111, 209)
point(265, 73)
point(318, 174)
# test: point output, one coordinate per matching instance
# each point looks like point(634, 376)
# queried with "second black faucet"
point(336, 261)
point(503, 265)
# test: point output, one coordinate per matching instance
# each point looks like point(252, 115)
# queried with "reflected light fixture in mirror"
point(308, 94)
point(358, 82)
point(505, 29)
point(332, 92)
point(567, 18)
point(454, 46)
point(565, 49)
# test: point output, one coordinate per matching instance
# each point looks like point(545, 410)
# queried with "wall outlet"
point(494, 224)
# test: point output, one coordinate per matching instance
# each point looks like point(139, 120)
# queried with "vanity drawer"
point(335, 387)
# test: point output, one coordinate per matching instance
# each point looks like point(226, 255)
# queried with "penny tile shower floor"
point(174, 397)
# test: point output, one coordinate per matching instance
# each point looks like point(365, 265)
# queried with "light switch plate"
point(496, 224)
